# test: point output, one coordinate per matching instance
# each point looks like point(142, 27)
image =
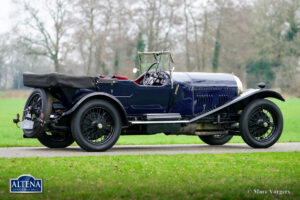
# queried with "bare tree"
point(220, 6)
point(101, 34)
point(88, 9)
point(196, 41)
point(45, 39)
point(249, 38)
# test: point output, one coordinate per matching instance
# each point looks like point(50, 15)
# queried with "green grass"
point(11, 136)
point(205, 176)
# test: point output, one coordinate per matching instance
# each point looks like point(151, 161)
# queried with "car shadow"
point(150, 148)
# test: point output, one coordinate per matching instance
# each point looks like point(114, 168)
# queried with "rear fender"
point(100, 95)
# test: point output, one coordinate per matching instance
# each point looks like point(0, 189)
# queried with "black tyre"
point(216, 139)
point(261, 123)
point(56, 140)
point(96, 126)
point(39, 102)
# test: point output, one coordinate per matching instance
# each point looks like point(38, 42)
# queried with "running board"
point(162, 116)
point(161, 122)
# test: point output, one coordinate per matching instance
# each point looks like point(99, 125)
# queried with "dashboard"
point(154, 78)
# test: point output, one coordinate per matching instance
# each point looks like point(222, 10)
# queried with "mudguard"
point(244, 98)
point(101, 95)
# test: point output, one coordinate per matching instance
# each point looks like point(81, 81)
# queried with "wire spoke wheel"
point(97, 125)
point(261, 123)
point(39, 102)
point(34, 108)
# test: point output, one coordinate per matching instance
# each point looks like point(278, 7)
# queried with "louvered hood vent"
point(207, 102)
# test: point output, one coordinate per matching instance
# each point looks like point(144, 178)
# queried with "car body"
point(212, 106)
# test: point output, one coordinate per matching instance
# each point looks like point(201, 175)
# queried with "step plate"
point(162, 116)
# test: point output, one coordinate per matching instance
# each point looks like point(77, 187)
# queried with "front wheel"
point(261, 123)
point(96, 126)
point(216, 139)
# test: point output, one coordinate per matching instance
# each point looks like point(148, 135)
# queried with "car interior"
point(154, 76)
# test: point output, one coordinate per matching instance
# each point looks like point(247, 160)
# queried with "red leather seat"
point(120, 77)
point(116, 76)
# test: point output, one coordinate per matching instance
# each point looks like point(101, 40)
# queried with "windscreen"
point(146, 60)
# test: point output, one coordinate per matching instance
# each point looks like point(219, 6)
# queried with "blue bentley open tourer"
point(95, 111)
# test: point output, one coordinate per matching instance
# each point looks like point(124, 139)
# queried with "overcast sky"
point(5, 9)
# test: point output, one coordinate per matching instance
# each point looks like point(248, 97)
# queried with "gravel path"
point(20, 152)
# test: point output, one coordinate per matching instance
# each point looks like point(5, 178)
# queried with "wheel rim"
point(97, 125)
point(263, 123)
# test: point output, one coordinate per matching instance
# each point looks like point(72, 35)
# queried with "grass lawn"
point(205, 176)
point(11, 136)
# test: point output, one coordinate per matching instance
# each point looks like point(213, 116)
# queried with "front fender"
point(100, 95)
point(241, 101)
point(261, 93)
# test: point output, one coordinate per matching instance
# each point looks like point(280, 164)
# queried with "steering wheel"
point(149, 81)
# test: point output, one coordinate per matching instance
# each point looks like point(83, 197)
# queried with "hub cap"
point(100, 126)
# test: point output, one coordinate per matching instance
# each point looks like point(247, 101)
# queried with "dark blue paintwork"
point(197, 93)
point(201, 92)
point(140, 99)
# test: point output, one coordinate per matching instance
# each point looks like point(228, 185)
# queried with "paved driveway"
point(17, 152)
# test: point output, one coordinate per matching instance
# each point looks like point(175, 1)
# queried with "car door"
point(150, 99)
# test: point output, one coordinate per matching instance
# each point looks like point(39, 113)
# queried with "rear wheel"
point(261, 123)
point(96, 126)
point(38, 105)
point(216, 139)
point(56, 140)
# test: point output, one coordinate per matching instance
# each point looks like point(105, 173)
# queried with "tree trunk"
point(56, 65)
point(91, 41)
point(151, 34)
point(116, 62)
point(204, 40)
point(187, 52)
point(196, 42)
point(6, 77)
point(19, 80)
point(215, 61)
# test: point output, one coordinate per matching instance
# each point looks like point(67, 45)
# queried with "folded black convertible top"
point(56, 80)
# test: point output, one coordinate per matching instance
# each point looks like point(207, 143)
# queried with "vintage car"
point(95, 111)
